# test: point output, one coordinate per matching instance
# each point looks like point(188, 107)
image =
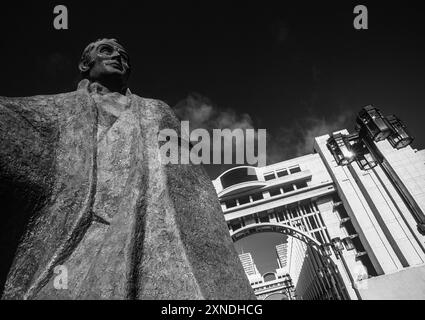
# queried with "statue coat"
point(124, 225)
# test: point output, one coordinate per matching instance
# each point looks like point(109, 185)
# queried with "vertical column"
point(377, 246)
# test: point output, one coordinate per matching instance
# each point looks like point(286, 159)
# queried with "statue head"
point(106, 61)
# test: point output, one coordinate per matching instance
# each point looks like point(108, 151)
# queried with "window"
point(280, 216)
point(312, 222)
point(257, 196)
point(342, 212)
point(235, 226)
point(275, 192)
point(263, 217)
point(269, 176)
point(307, 208)
point(294, 212)
point(230, 203)
point(288, 188)
point(301, 185)
point(294, 170)
point(282, 173)
point(350, 228)
point(244, 200)
point(349, 245)
point(318, 236)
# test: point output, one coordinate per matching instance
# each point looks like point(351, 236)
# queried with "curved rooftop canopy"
point(238, 175)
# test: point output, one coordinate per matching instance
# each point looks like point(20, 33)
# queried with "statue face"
point(109, 61)
point(109, 58)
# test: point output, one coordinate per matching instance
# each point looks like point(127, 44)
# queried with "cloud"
point(298, 139)
point(201, 112)
point(283, 143)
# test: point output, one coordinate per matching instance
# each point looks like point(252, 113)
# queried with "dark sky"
point(296, 70)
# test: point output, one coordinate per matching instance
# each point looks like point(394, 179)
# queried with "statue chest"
point(118, 145)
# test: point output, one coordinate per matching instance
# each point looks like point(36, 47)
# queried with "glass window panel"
point(312, 222)
point(288, 188)
point(282, 173)
point(257, 196)
point(301, 185)
point(275, 192)
point(269, 176)
point(244, 200)
point(230, 203)
point(295, 170)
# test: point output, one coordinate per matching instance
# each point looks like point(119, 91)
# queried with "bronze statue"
point(82, 170)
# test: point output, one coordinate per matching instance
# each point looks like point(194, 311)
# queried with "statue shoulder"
point(155, 103)
point(160, 112)
point(39, 103)
point(160, 107)
point(25, 100)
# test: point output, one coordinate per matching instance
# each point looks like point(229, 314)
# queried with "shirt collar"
point(85, 84)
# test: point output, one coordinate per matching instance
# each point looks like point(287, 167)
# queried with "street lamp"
point(371, 125)
point(338, 247)
point(399, 137)
point(340, 147)
point(374, 123)
point(327, 250)
point(364, 157)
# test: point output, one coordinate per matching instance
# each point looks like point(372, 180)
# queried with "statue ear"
point(84, 66)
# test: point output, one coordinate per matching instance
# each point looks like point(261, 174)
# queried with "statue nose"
point(115, 54)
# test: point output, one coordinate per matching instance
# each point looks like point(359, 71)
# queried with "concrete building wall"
point(406, 284)
point(326, 202)
point(384, 223)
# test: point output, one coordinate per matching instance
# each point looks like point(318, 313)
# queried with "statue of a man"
point(104, 217)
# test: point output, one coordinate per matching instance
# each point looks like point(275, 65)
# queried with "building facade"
point(280, 284)
point(353, 209)
point(250, 269)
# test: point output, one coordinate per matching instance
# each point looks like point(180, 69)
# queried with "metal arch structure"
point(275, 227)
point(261, 227)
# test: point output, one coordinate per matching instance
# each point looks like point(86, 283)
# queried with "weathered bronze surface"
point(81, 175)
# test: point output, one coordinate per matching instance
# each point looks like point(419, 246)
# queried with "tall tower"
point(380, 180)
point(283, 252)
point(250, 268)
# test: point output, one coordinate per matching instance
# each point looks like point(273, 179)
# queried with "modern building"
point(250, 269)
point(283, 252)
point(354, 210)
point(279, 285)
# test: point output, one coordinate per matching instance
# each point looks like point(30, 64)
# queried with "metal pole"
point(347, 271)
